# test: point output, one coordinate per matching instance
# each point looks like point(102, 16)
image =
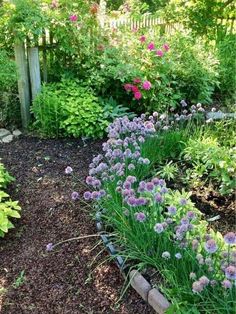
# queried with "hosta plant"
point(8, 209)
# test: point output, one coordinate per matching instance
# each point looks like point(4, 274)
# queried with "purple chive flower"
point(172, 210)
point(226, 284)
point(95, 195)
point(102, 193)
point(192, 275)
point(191, 215)
point(211, 246)
point(68, 170)
point(183, 201)
point(89, 180)
point(230, 272)
point(197, 287)
point(141, 217)
point(183, 103)
point(155, 181)
point(131, 167)
point(131, 179)
point(74, 196)
point(163, 190)
point(131, 201)
point(204, 280)
point(146, 161)
point(169, 221)
point(162, 182)
point(49, 247)
point(165, 255)
point(184, 221)
point(158, 198)
point(141, 201)
point(178, 255)
point(87, 195)
point(127, 185)
point(149, 186)
point(230, 238)
point(158, 228)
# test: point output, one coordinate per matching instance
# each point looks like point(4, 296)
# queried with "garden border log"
point(149, 294)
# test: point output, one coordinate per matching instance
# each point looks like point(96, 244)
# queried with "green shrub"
point(226, 53)
point(8, 208)
point(9, 102)
point(68, 108)
point(212, 161)
point(47, 111)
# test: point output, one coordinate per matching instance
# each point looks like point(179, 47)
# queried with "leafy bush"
point(226, 49)
point(71, 108)
point(9, 102)
point(68, 108)
point(83, 114)
point(210, 160)
point(8, 208)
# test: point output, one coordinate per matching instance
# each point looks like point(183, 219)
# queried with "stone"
point(16, 132)
point(220, 115)
point(140, 284)
point(158, 301)
point(4, 132)
point(7, 139)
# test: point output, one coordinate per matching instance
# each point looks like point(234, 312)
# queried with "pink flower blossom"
point(128, 87)
point(166, 47)
point(137, 80)
point(159, 53)
point(147, 85)
point(134, 89)
point(137, 95)
point(151, 46)
point(73, 18)
point(142, 38)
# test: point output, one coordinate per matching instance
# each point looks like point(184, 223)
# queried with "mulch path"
point(73, 278)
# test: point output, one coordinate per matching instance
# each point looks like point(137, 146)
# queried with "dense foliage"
point(70, 108)
point(8, 209)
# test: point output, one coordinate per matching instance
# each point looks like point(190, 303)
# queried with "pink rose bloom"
point(151, 46)
point(142, 39)
point(147, 85)
point(137, 80)
point(128, 87)
point(134, 89)
point(159, 53)
point(73, 18)
point(166, 47)
point(137, 95)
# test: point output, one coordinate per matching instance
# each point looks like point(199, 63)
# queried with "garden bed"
point(159, 228)
point(59, 281)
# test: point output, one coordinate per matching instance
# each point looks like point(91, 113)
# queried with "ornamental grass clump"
point(159, 227)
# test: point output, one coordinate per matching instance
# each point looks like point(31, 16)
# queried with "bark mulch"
point(74, 277)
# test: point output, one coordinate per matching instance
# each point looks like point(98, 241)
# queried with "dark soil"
point(221, 209)
point(73, 278)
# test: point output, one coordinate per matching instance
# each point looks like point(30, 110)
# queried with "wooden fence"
point(146, 22)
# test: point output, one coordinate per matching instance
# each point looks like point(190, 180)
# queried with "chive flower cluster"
point(151, 205)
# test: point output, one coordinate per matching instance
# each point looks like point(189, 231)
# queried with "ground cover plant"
point(158, 226)
point(8, 209)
